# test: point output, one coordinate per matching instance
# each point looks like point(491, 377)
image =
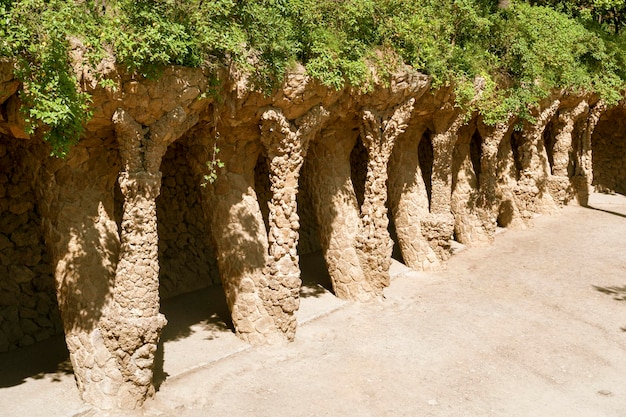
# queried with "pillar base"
point(438, 229)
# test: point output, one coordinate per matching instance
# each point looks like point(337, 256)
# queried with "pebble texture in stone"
point(100, 230)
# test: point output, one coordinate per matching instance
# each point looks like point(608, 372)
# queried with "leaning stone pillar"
point(488, 201)
point(77, 207)
point(583, 172)
point(337, 212)
point(231, 206)
point(374, 245)
point(532, 188)
point(561, 184)
point(133, 325)
point(286, 146)
point(438, 228)
point(408, 200)
point(469, 228)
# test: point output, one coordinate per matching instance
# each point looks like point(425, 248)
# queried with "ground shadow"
point(206, 307)
point(606, 211)
point(315, 278)
point(48, 358)
point(618, 293)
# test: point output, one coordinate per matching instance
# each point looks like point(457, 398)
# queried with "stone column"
point(469, 228)
point(532, 191)
point(374, 245)
point(408, 201)
point(438, 228)
point(240, 236)
point(77, 204)
point(583, 172)
point(488, 199)
point(286, 145)
point(133, 325)
point(563, 155)
point(337, 212)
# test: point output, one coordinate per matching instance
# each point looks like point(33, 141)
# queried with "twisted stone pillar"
point(438, 228)
point(77, 208)
point(469, 228)
point(532, 191)
point(583, 172)
point(286, 146)
point(336, 208)
point(497, 202)
point(374, 245)
point(561, 182)
point(408, 201)
point(133, 325)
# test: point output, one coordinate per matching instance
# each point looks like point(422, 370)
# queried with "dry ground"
point(534, 325)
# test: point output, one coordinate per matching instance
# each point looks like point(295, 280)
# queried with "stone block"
point(28, 313)
point(43, 335)
point(26, 340)
point(28, 326)
point(9, 313)
point(8, 299)
point(20, 206)
point(44, 322)
point(5, 242)
point(21, 274)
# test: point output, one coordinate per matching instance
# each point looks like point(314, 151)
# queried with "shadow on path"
point(49, 358)
point(607, 211)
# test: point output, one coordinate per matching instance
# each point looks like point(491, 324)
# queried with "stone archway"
point(608, 144)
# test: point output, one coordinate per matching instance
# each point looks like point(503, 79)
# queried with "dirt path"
point(528, 327)
point(534, 325)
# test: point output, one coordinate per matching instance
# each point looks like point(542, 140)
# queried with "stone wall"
point(609, 152)
point(186, 250)
point(28, 305)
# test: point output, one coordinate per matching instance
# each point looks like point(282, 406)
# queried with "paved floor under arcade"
point(532, 326)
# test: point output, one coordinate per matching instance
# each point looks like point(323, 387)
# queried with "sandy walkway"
point(532, 326)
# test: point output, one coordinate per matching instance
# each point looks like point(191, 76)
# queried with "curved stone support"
point(469, 228)
point(583, 173)
point(286, 146)
point(438, 228)
point(490, 183)
point(532, 191)
point(564, 158)
point(408, 200)
point(133, 325)
point(374, 245)
point(336, 208)
point(77, 208)
point(232, 208)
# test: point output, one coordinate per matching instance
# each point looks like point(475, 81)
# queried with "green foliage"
point(36, 34)
point(521, 52)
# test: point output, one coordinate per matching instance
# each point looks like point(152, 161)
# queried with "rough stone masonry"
point(90, 243)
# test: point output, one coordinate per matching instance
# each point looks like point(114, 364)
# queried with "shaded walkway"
point(516, 329)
